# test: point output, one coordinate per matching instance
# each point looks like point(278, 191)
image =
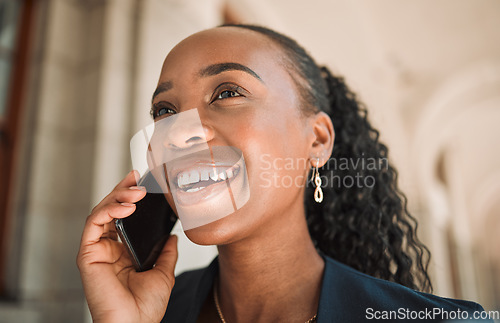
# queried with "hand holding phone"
point(145, 231)
point(115, 292)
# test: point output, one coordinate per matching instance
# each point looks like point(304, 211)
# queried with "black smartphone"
point(145, 231)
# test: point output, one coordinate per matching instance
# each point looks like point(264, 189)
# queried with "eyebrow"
point(215, 69)
point(163, 87)
point(210, 70)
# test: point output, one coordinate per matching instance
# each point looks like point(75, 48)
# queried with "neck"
point(274, 275)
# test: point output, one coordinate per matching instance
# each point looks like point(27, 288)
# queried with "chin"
point(215, 233)
point(226, 230)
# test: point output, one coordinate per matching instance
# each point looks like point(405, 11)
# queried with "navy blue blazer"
point(347, 295)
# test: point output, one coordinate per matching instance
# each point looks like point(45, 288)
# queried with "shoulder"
point(365, 298)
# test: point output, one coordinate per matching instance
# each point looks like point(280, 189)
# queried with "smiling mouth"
point(195, 180)
point(206, 181)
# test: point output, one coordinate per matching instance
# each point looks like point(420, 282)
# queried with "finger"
point(167, 259)
point(110, 231)
point(131, 194)
point(94, 227)
point(128, 181)
point(105, 251)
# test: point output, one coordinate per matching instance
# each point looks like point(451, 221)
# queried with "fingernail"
point(127, 204)
point(138, 188)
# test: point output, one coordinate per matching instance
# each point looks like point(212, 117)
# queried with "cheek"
point(276, 157)
point(272, 135)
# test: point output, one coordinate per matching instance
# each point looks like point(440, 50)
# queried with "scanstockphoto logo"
point(336, 173)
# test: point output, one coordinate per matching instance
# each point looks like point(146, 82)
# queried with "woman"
point(261, 92)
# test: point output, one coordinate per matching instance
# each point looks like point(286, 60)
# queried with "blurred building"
point(76, 79)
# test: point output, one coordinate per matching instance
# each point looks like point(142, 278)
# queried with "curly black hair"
point(363, 221)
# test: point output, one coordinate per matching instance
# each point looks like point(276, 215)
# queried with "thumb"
point(167, 259)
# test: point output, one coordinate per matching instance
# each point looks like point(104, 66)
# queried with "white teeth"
point(194, 177)
point(213, 175)
point(204, 175)
point(183, 179)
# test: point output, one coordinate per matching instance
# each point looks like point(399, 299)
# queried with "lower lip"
point(191, 198)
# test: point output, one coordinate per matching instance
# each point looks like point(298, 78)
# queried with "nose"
point(187, 131)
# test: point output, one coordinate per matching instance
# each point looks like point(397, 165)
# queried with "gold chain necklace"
point(221, 317)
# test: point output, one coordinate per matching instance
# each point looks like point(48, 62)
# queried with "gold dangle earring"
point(318, 192)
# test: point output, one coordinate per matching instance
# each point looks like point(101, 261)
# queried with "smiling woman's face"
point(245, 99)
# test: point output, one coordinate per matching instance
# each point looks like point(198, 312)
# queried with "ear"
point(324, 136)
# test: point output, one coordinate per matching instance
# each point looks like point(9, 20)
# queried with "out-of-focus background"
point(76, 78)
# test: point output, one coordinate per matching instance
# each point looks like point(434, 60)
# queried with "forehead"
point(222, 45)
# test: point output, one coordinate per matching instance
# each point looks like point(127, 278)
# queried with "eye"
point(228, 94)
point(161, 110)
point(228, 91)
point(164, 111)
